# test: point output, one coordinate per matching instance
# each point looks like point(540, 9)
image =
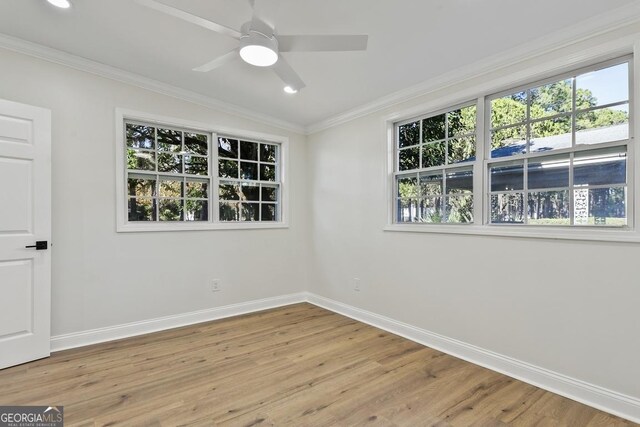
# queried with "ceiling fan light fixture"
point(63, 4)
point(258, 49)
point(290, 89)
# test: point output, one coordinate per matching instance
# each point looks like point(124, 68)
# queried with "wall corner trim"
point(592, 395)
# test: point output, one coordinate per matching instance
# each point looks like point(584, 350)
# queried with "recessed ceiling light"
point(64, 4)
point(290, 89)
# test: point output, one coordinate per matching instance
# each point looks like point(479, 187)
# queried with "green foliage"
point(546, 101)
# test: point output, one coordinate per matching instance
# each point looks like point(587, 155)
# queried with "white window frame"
point(122, 222)
point(481, 93)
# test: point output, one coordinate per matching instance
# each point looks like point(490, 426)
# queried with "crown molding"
point(582, 31)
point(79, 63)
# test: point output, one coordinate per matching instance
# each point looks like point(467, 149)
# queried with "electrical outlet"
point(357, 286)
point(215, 285)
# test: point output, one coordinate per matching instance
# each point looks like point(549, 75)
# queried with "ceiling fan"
point(260, 45)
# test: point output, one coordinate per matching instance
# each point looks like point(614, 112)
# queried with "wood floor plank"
point(298, 365)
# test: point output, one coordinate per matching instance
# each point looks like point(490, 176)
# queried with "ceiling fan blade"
point(264, 12)
point(218, 62)
point(287, 74)
point(327, 43)
point(186, 16)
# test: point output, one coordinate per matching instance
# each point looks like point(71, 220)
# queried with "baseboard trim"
point(127, 330)
point(598, 397)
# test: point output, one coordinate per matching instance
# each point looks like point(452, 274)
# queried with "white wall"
point(103, 278)
point(567, 306)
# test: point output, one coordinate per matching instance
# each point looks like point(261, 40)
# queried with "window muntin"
point(169, 176)
point(556, 128)
point(248, 189)
point(433, 179)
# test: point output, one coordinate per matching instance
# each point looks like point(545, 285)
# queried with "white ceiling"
point(410, 41)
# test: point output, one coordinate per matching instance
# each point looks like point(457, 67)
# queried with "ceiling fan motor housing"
point(259, 48)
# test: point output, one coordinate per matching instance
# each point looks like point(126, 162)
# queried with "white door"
point(25, 218)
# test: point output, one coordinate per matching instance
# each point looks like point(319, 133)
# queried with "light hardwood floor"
point(298, 365)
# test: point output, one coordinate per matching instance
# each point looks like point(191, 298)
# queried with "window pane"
point(196, 165)
point(229, 211)
point(431, 185)
point(551, 134)
point(509, 141)
point(170, 188)
point(433, 154)
point(433, 128)
point(267, 172)
point(409, 134)
point(407, 186)
point(509, 110)
point(462, 121)
point(460, 209)
point(140, 136)
point(197, 210)
point(268, 153)
point(250, 192)
point(407, 210)
point(548, 208)
point(269, 212)
point(141, 187)
point(169, 163)
point(462, 149)
point(228, 148)
point(250, 212)
point(430, 210)
point(600, 167)
point(507, 208)
point(248, 170)
point(508, 177)
point(169, 140)
point(603, 87)
point(198, 189)
point(170, 210)
point(460, 182)
point(269, 193)
point(409, 158)
point(141, 160)
point(600, 206)
point(196, 143)
point(228, 191)
point(227, 169)
point(248, 150)
point(603, 125)
point(142, 209)
point(548, 172)
point(551, 99)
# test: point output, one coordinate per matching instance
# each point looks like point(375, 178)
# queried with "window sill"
point(608, 235)
point(153, 227)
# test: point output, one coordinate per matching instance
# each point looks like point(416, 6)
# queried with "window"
point(433, 180)
point(570, 135)
point(555, 153)
point(181, 177)
point(248, 190)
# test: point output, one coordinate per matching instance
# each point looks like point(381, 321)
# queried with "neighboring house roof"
point(549, 143)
